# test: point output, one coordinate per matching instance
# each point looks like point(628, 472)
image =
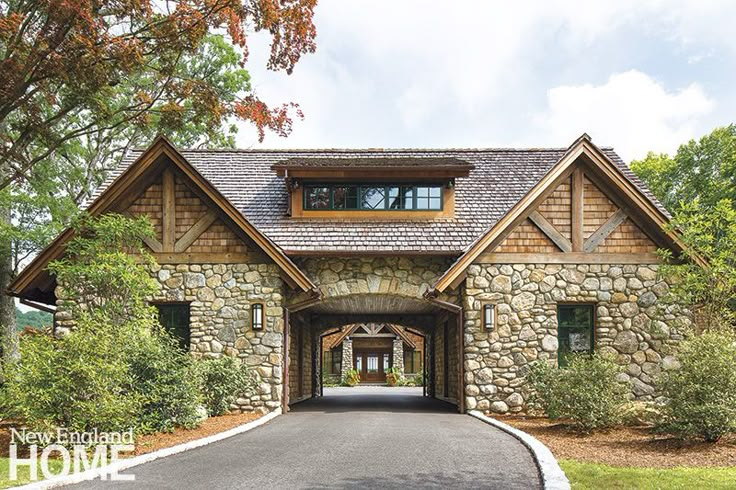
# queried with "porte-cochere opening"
point(374, 335)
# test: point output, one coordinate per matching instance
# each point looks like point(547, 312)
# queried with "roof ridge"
point(374, 150)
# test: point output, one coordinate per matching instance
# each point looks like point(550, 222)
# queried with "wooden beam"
point(195, 231)
point(150, 242)
point(169, 211)
point(210, 258)
point(577, 209)
point(567, 258)
point(548, 229)
point(606, 229)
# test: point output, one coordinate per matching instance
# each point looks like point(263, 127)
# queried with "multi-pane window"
point(575, 326)
point(426, 197)
point(175, 319)
point(332, 362)
point(412, 361)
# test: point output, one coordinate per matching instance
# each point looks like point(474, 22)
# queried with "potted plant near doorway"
point(393, 376)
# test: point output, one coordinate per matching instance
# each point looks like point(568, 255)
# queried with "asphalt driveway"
point(364, 437)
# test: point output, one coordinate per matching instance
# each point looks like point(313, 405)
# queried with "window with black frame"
point(373, 197)
point(575, 329)
point(175, 319)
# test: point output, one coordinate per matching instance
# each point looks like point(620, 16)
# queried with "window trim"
point(386, 205)
point(592, 327)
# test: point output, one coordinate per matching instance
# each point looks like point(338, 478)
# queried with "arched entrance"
point(371, 333)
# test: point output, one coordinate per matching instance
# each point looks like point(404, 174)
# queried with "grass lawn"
point(23, 472)
point(585, 476)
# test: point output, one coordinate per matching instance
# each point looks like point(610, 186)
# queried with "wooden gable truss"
point(583, 211)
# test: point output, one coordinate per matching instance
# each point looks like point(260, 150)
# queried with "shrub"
point(586, 392)
point(419, 379)
point(701, 394)
point(393, 377)
point(165, 377)
point(352, 378)
point(117, 369)
point(222, 381)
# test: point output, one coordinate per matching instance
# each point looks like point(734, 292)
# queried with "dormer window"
point(392, 187)
point(373, 197)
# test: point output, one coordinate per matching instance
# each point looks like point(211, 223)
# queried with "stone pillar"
point(347, 358)
point(399, 355)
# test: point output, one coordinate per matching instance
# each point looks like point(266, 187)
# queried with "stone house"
point(494, 258)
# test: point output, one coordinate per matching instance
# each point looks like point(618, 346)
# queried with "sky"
point(639, 76)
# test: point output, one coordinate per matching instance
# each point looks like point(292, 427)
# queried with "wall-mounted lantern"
point(489, 317)
point(256, 316)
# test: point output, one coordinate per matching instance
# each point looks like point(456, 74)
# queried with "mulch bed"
point(626, 446)
point(153, 442)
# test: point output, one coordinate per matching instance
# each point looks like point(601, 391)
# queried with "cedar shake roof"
point(338, 160)
point(497, 180)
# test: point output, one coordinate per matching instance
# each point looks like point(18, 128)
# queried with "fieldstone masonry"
point(398, 355)
point(220, 296)
point(629, 323)
point(347, 358)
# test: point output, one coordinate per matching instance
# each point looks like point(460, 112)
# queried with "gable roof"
point(638, 196)
point(499, 178)
point(399, 331)
point(145, 164)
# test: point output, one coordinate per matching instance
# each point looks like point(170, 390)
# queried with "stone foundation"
point(628, 323)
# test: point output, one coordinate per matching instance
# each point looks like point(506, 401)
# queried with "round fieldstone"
point(549, 343)
point(499, 407)
point(523, 301)
point(626, 342)
point(514, 400)
point(484, 376)
point(194, 280)
point(501, 284)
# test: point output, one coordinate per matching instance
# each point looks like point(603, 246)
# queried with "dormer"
point(372, 188)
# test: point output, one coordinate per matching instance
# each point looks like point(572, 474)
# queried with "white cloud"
point(480, 73)
point(631, 110)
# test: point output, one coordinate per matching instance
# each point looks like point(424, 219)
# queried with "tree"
point(61, 61)
point(703, 170)
point(708, 290)
point(81, 82)
point(33, 318)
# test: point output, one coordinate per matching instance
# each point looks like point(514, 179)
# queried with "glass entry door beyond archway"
point(372, 365)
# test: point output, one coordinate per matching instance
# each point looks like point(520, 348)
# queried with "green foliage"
point(351, 378)
point(33, 318)
point(117, 368)
point(586, 392)
point(165, 378)
point(222, 381)
point(701, 394)
point(394, 377)
point(704, 170)
point(708, 233)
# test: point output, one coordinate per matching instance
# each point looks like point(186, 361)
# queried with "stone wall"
point(219, 296)
point(397, 350)
point(629, 323)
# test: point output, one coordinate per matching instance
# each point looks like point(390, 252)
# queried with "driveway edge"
point(553, 478)
point(124, 464)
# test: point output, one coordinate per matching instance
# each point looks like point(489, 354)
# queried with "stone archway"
point(375, 289)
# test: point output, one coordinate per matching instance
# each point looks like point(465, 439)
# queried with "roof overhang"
point(393, 168)
point(35, 283)
point(582, 150)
